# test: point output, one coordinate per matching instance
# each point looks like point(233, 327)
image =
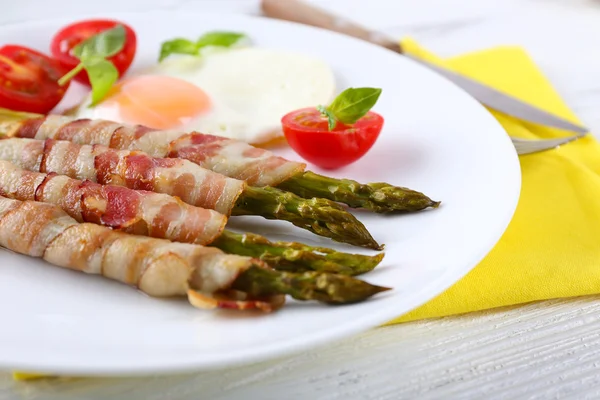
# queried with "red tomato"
point(71, 35)
point(307, 133)
point(29, 80)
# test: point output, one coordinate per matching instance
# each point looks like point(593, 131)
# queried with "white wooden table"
point(548, 350)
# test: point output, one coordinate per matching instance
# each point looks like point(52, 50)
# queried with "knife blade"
point(503, 102)
point(304, 13)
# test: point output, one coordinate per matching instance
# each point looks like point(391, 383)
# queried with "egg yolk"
point(159, 102)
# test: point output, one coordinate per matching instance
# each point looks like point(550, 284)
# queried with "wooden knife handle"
point(304, 13)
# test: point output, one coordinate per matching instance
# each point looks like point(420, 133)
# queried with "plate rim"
point(373, 320)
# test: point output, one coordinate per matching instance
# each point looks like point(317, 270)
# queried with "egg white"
point(250, 88)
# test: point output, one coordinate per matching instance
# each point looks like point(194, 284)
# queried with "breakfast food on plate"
point(138, 212)
point(338, 134)
point(175, 92)
point(194, 87)
point(94, 52)
point(233, 158)
point(190, 182)
point(240, 93)
point(166, 217)
point(137, 181)
point(161, 268)
point(157, 267)
point(29, 80)
point(114, 41)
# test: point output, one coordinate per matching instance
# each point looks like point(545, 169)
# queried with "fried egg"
point(240, 93)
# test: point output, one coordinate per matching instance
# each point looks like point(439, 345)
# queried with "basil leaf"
point(92, 54)
point(177, 46)
point(353, 103)
point(218, 38)
point(185, 46)
point(331, 121)
point(104, 44)
point(103, 74)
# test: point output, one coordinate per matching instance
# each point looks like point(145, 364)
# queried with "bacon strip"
point(232, 158)
point(136, 170)
point(157, 267)
point(139, 212)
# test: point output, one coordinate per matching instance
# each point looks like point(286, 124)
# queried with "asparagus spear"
point(295, 257)
point(319, 286)
point(379, 196)
point(320, 216)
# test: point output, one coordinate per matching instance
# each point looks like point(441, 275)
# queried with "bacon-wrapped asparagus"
point(163, 216)
point(229, 157)
point(190, 182)
point(157, 267)
point(161, 268)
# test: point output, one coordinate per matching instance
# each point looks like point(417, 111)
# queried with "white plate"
point(436, 139)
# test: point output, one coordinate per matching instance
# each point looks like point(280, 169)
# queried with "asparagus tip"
point(296, 257)
point(320, 286)
point(379, 289)
point(377, 259)
point(380, 197)
point(320, 216)
point(362, 291)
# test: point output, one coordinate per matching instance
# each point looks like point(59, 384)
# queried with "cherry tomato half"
point(70, 36)
point(29, 80)
point(307, 133)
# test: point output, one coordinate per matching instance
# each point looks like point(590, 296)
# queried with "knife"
point(301, 12)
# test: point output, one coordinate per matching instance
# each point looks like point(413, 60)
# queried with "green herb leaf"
point(353, 103)
point(218, 38)
point(92, 54)
point(177, 46)
point(331, 121)
point(185, 46)
point(103, 74)
point(105, 44)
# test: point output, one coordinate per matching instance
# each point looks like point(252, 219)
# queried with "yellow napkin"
point(552, 246)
